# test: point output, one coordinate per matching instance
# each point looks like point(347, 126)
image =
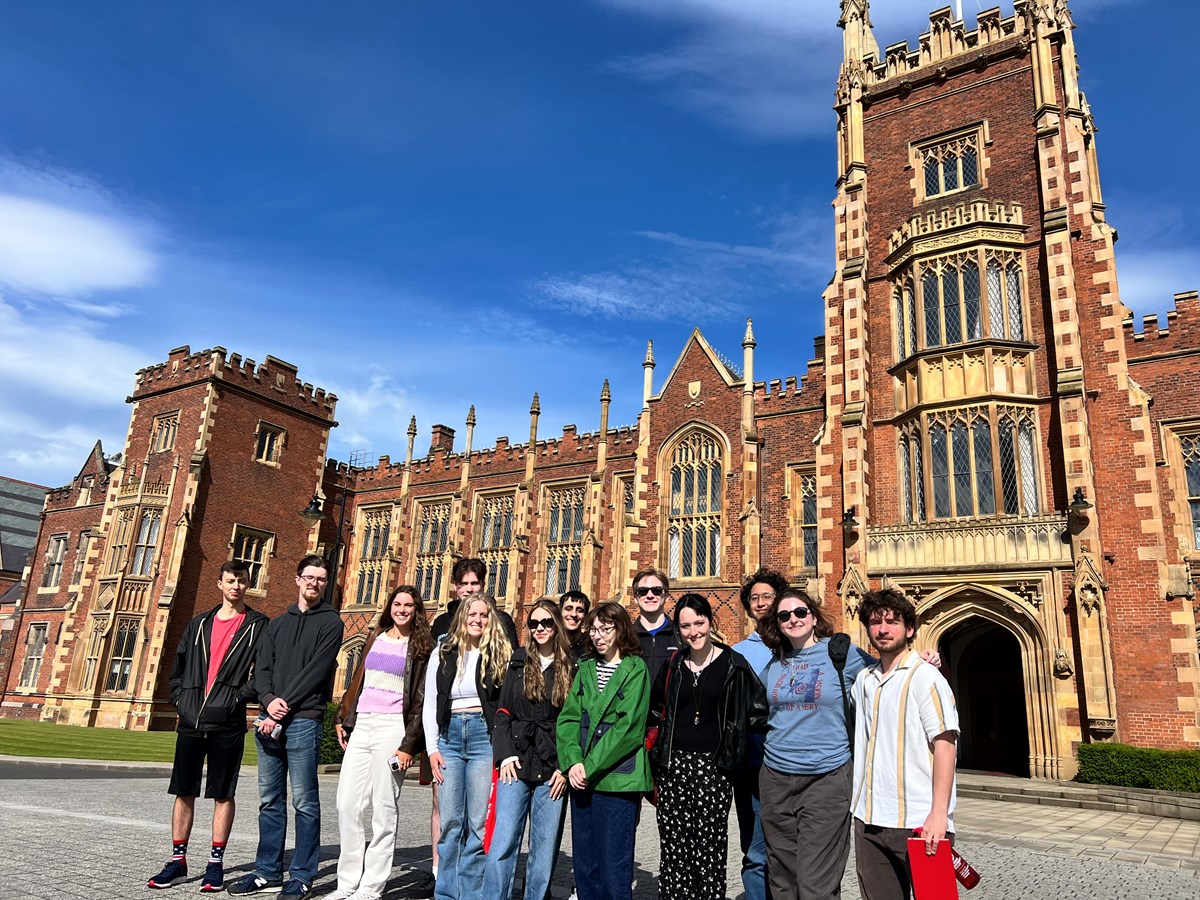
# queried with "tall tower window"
point(808, 519)
point(433, 539)
point(120, 664)
point(373, 556)
point(254, 549)
point(142, 560)
point(1191, 467)
point(694, 514)
point(495, 541)
point(950, 165)
point(56, 550)
point(564, 539)
point(35, 649)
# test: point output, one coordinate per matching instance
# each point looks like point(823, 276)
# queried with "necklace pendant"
point(696, 718)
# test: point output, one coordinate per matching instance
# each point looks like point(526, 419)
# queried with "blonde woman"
point(531, 786)
point(462, 690)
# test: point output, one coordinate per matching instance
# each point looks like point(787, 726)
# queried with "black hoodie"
point(296, 659)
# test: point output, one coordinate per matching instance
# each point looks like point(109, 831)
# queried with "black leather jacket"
point(743, 710)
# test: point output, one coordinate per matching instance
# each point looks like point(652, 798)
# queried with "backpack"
point(839, 649)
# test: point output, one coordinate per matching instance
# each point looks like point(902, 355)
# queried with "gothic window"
point(808, 519)
point(1191, 468)
point(495, 541)
point(373, 556)
point(120, 664)
point(1018, 464)
point(35, 649)
point(351, 657)
point(268, 443)
point(950, 165)
point(253, 548)
point(965, 296)
point(564, 539)
point(694, 515)
point(433, 539)
point(164, 429)
point(142, 559)
point(81, 552)
point(120, 543)
point(56, 550)
point(92, 658)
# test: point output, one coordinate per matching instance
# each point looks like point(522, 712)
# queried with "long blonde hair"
point(494, 649)
point(560, 653)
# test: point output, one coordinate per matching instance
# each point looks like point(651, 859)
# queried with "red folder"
point(932, 876)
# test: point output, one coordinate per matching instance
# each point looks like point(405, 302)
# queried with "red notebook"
point(932, 876)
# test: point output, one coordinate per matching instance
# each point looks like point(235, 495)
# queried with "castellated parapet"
point(1180, 332)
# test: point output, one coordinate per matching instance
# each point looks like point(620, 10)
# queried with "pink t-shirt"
point(223, 631)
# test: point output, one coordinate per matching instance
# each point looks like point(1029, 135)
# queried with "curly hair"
point(560, 652)
point(494, 649)
point(774, 638)
point(420, 640)
point(769, 577)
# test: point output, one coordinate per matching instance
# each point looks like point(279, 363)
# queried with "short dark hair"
point(773, 637)
point(697, 603)
point(465, 565)
point(769, 577)
point(234, 567)
point(888, 599)
point(313, 560)
point(624, 638)
point(657, 573)
point(578, 597)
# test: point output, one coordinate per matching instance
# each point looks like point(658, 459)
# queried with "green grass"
point(22, 738)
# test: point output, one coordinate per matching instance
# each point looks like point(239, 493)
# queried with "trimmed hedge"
point(331, 751)
point(1140, 767)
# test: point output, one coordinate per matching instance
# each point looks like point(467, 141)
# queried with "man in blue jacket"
point(294, 680)
point(210, 686)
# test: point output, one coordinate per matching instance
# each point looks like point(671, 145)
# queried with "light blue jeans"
point(293, 756)
point(462, 802)
point(516, 802)
point(750, 833)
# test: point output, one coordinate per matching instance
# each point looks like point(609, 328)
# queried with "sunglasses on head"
point(800, 612)
point(535, 624)
point(655, 589)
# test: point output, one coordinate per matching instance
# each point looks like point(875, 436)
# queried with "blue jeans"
point(515, 803)
point(750, 834)
point(293, 756)
point(462, 802)
point(602, 832)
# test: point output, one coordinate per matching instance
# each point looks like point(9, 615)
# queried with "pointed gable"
point(697, 355)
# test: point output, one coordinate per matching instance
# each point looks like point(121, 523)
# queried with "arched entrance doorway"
point(983, 665)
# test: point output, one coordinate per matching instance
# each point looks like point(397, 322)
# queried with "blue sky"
point(430, 205)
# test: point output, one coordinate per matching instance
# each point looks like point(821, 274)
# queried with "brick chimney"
point(443, 438)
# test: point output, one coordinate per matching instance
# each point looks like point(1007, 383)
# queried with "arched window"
point(694, 515)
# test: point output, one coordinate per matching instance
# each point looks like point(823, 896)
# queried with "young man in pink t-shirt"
point(210, 685)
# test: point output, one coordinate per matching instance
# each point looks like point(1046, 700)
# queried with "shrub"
point(331, 751)
point(1140, 767)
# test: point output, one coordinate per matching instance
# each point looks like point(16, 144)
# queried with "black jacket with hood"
point(296, 659)
point(224, 707)
point(525, 728)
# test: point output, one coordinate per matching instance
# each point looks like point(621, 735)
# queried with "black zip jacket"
point(743, 710)
point(223, 708)
point(658, 647)
point(447, 669)
point(296, 659)
point(525, 728)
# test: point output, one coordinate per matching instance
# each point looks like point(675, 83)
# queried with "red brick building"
point(981, 426)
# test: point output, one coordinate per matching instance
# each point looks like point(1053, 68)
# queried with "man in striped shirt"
point(905, 740)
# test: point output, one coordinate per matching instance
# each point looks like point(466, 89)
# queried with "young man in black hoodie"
point(653, 626)
point(294, 680)
point(210, 685)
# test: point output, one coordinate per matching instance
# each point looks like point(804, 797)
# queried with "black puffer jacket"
point(225, 706)
point(525, 728)
point(743, 710)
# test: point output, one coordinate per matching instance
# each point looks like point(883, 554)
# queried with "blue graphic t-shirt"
point(806, 725)
point(758, 655)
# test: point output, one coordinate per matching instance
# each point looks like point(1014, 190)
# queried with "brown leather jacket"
point(414, 698)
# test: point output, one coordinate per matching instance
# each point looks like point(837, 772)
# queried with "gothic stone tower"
point(983, 425)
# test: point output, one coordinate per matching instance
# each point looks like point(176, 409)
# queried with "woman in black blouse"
point(705, 702)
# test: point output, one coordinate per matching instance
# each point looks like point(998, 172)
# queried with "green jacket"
point(616, 761)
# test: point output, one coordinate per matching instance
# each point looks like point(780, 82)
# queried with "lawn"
point(22, 738)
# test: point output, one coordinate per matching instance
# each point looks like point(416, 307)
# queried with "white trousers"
point(367, 780)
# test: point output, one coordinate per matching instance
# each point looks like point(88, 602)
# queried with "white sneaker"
point(342, 895)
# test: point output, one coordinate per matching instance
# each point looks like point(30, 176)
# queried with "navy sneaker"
point(296, 888)
point(213, 881)
point(173, 873)
point(255, 884)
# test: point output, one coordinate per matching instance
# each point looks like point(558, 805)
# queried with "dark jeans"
point(293, 756)
point(750, 834)
point(602, 832)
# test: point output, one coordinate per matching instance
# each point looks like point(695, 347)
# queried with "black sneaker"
point(173, 873)
point(296, 888)
point(255, 884)
point(213, 881)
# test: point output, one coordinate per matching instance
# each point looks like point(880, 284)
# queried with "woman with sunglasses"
point(530, 785)
point(379, 727)
point(707, 700)
point(601, 744)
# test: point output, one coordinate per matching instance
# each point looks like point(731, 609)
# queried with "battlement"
point(274, 378)
point(964, 215)
point(791, 393)
point(1179, 333)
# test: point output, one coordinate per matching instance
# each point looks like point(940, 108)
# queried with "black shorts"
point(224, 752)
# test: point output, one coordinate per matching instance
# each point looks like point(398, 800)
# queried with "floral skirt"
point(693, 827)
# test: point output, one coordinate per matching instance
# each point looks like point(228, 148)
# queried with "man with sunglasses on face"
point(653, 626)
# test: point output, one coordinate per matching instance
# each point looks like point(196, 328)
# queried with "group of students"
point(599, 712)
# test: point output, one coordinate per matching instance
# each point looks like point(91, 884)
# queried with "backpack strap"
point(839, 649)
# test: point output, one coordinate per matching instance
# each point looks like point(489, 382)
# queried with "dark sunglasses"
point(535, 624)
point(800, 612)
point(656, 590)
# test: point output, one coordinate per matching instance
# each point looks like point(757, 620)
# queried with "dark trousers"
point(806, 821)
point(602, 832)
point(881, 858)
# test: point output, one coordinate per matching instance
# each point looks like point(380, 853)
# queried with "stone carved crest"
point(1089, 585)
